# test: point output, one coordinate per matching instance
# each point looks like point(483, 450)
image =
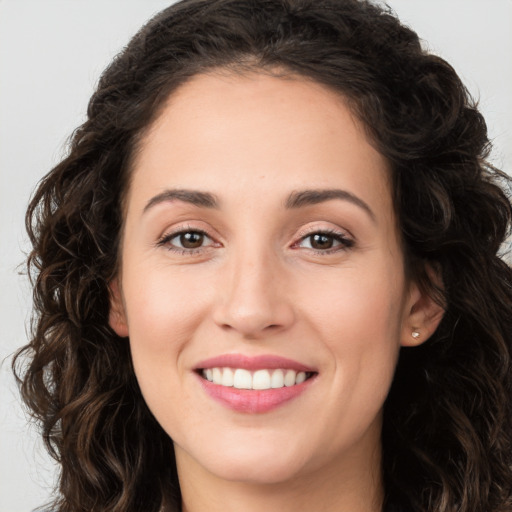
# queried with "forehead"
point(223, 131)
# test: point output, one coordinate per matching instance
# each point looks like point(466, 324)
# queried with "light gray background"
point(51, 54)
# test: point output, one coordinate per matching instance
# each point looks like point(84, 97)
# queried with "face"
point(262, 281)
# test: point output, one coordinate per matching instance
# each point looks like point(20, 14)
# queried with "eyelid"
point(346, 240)
point(168, 235)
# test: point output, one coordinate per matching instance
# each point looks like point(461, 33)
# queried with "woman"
point(266, 275)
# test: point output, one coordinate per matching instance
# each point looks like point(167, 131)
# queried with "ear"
point(422, 315)
point(117, 314)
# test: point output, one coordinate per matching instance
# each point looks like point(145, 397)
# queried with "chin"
point(256, 463)
point(263, 473)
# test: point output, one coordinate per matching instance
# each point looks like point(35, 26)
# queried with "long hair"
point(447, 434)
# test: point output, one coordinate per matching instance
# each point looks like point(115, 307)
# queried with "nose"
point(252, 297)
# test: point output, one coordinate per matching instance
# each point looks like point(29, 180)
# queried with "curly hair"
point(447, 434)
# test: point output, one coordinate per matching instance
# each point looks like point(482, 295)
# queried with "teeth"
point(261, 379)
point(217, 376)
point(227, 377)
point(277, 379)
point(301, 377)
point(242, 379)
point(289, 378)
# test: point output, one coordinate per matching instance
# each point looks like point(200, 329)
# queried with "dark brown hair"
point(448, 419)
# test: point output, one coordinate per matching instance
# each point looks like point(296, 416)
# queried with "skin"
point(257, 285)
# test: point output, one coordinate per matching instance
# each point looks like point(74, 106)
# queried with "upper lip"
point(261, 362)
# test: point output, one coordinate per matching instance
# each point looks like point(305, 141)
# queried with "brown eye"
point(191, 240)
point(321, 241)
point(186, 241)
point(326, 242)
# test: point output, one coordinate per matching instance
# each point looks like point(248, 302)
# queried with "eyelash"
point(345, 243)
point(165, 240)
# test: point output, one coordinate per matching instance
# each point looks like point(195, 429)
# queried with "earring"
point(415, 334)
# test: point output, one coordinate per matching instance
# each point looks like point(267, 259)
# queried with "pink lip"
point(250, 400)
point(253, 363)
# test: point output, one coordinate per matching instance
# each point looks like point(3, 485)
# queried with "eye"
point(186, 241)
point(189, 240)
point(325, 241)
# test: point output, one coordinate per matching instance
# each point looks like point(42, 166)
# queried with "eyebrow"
point(296, 199)
point(202, 199)
point(301, 198)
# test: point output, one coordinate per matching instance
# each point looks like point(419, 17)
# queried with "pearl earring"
point(415, 334)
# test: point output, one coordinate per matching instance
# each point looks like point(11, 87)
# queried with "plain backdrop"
point(51, 54)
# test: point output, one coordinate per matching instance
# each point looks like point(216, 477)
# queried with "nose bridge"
point(252, 297)
point(252, 277)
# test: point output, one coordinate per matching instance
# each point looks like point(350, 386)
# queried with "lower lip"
point(253, 401)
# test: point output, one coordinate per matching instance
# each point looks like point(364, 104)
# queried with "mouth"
point(241, 378)
point(254, 384)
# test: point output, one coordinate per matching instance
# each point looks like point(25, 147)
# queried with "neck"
point(345, 487)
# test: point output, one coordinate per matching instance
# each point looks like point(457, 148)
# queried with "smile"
point(240, 378)
point(254, 384)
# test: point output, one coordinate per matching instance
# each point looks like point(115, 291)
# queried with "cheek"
point(358, 306)
point(163, 304)
point(164, 310)
point(359, 322)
